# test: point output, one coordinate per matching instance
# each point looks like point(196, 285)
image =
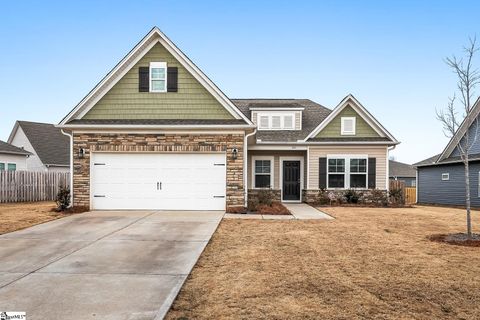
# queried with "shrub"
point(323, 197)
point(252, 204)
point(351, 196)
point(266, 197)
point(396, 195)
point(63, 198)
point(379, 197)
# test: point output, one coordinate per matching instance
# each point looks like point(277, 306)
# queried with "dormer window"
point(348, 125)
point(276, 120)
point(158, 77)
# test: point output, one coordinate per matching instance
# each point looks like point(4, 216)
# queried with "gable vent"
point(348, 126)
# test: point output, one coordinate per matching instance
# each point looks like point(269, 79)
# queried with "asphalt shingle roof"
point(312, 115)
point(433, 160)
point(51, 146)
point(399, 169)
point(11, 149)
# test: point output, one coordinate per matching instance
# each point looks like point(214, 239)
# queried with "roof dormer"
point(277, 118)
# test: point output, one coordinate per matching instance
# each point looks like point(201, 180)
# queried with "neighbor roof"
point(399, 169)
point(312, 115)
point(6, 147)
point(456, 159)
point(51, 146)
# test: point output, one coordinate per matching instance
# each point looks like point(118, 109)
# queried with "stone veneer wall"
point(124, 142)
point(312, 196)
point(253, 194)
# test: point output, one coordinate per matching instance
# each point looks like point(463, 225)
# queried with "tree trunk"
point(467, 197)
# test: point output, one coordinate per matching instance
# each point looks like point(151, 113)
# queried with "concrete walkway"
point(303, 211)
point(299, 211)
point(102, 265)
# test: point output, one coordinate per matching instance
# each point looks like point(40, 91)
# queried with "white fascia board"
point(153, 37)
point(275, 109)
point(299, 143)
point(147, 127)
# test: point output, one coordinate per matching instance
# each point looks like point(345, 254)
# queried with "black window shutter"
point(322, 173)
point(172, 79)
point(143, 79)
point(372, 173)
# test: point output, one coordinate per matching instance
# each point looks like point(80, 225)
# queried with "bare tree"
point(468, 78)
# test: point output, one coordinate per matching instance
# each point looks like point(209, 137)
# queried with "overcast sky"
point(389, 55)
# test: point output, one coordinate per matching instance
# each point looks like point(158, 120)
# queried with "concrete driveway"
point(102, 265)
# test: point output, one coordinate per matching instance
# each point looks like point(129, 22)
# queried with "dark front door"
point(291, 180)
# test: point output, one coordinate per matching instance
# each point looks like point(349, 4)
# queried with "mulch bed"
point(457, 239)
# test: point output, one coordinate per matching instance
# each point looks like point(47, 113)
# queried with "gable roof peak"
point(362, 112)
point(154, 36)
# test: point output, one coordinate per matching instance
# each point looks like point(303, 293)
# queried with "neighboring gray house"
point(403, 172)
point(12, 158)
point(49, 147)
point(440, 179)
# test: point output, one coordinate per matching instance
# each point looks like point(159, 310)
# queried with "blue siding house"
point(441, 178)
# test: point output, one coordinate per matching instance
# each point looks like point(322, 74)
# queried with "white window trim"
point(157, 65)
point(348, 157)
point(298, 158)
point(282, 116)
point(354, 126)
point(272, 170)
point(445, 176)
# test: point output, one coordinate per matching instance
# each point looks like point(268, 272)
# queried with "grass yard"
point(16, 216)
point(366, 264)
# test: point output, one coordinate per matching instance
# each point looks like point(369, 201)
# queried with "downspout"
point(245, 164)
point(71, 165)
point(388, 165)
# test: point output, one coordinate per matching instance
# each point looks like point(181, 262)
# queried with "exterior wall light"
point(81, 153)
point(234, 153)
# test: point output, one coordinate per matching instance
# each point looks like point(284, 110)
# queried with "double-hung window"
point(12, 167)
point(345, 172)
point(358, 173)
point(158, 77)
point(2, 166)
point(262, 172)
point(336, 173)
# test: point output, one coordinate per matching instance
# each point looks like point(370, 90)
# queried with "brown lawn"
point(366, 264)
point(15, 216)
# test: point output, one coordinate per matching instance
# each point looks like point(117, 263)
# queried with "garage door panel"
point(158, 181)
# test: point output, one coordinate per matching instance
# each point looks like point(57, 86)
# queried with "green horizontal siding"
point(192, 101)
point(333, 129)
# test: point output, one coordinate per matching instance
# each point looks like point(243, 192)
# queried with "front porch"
point(284, 172)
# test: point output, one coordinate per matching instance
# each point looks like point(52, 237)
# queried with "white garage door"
point(172, 181)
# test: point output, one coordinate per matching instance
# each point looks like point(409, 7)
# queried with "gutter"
point(149, 126)
point(245, 163)
point(388, 166)
point(71, 165)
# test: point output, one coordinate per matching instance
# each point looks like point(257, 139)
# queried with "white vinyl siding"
point(378, 152)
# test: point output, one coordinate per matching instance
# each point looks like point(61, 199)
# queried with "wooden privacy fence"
point(409, 193)
point(23, 186)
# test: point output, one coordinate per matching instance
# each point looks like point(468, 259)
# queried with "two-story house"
point(157, 133)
